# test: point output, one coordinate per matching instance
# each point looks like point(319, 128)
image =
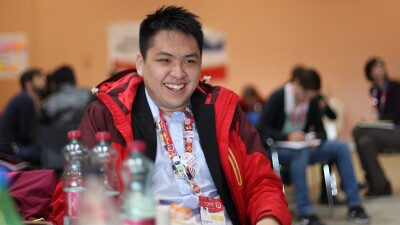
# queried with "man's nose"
point(178, 71)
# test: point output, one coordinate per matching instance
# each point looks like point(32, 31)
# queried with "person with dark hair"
point(288, 115)
point(17, 130)
point(322, 100)
point(63, 75)
point(385, 98)
point(164, 104)
point(327, 111)
point(251, 103)
point(67, 102)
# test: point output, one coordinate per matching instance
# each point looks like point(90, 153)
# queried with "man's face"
point(378, 72)
point(305, 95)
point(171, 70)
point(310, 94)
point(39, 84)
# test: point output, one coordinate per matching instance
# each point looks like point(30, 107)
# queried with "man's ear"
point(139, 64)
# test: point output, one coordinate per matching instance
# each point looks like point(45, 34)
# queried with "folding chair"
point(329, 178)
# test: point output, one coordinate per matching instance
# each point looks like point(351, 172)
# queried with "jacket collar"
point(204, 115)
point(143, 124)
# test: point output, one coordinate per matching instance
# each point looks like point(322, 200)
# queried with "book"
point(13, 164)
point(298, 144)
point(379, 124)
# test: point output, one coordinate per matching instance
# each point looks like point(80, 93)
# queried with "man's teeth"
point(175, 87)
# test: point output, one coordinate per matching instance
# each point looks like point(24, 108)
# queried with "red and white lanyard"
point(183, 165)
point(382, 100)
point(298, 116)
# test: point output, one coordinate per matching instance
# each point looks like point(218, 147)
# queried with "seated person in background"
point(251, 104)
point(385, 95)
point(67, 103)
point(289, 113)
point(17, 134)
point(231, 162)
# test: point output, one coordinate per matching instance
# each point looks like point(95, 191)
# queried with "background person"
point(17, 132)
point(67, 103)
point(251, 103)
point(385, 97)
point(289, 114)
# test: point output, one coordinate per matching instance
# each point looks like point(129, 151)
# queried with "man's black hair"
point(371, 63)
point(170, 18)
point(309, 79)
point(28, 75)
point(297, 71)
point(64, 74)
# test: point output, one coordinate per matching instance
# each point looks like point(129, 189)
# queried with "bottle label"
point(71, 200)
point(151, 221)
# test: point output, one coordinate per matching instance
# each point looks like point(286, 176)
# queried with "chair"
point(329, 178)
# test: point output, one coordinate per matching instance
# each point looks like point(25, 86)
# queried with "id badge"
point(179, 171)
point(211, 211)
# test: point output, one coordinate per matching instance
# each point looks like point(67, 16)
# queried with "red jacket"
point(247, 185)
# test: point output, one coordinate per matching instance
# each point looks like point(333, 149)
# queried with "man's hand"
point(268, 221)
point(297, 136)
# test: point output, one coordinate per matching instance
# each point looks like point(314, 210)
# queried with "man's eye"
point(164, 60)
point(190, 61)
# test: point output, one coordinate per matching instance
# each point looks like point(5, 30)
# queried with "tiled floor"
point(383, 210)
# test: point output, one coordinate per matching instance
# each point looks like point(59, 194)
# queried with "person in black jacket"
point(385, 98)
point(17, 132)
point(288, 115)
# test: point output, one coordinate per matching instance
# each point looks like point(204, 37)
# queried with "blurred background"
point(265, 39)
point(248, 43)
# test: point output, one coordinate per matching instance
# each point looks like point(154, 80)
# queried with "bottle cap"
point(103, 136)
point(74, 135)
point(136, 146)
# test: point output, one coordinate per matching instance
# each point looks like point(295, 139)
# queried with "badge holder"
point(211, 211)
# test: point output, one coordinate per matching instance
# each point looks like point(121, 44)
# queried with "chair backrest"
point(51, 140)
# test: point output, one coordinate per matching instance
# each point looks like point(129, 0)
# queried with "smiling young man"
point(207, 134)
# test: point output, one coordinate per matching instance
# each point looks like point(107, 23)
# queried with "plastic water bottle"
point(76, 155)
point(96, 207)
point(138, 206)
point(8, 213)
point(104, 155)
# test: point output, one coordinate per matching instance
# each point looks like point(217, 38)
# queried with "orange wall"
point(265, 39)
